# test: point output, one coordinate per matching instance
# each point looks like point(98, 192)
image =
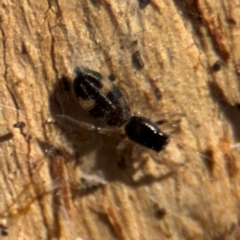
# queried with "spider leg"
point(104, 130)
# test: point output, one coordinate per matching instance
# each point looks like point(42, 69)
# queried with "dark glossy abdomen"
point(146, 133)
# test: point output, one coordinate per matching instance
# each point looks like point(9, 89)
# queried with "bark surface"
point(63, 181)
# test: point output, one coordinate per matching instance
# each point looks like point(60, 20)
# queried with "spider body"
point(104, 102)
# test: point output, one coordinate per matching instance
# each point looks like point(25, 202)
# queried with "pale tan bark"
point(194, 194)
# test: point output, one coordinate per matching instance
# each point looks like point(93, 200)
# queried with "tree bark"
point(63, 181)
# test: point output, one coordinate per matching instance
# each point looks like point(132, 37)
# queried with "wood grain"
point(61, 181)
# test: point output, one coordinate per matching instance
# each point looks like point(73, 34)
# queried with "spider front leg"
point(136, 153)
point(170, 123)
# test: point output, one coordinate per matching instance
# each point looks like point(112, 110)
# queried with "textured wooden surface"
point(193, 193)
